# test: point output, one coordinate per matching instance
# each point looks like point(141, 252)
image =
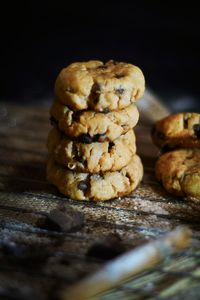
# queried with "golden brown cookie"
point(101, 87)
point(179, 172)
point(93, 157)
point(90, 126)
point(97, 187)
point(181, 130)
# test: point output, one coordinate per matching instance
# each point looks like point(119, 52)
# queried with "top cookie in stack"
point(92, 146)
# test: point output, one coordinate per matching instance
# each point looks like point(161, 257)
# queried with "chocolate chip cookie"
point(97, 187)
point(181, 130)
point(101, 87)
point(90, 126)
point(93, 157)
point(179, 172)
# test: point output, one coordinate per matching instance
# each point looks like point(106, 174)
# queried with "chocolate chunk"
point(76, 116)
point(82, 185)
point(196, 129)
point(101, 137)
point(85, 138)
point(95, 98)
point(96, 88)
point(110, 146)
point(185, 123)
point(65, 218)
point(107, 248)
point(118, 76)
point(106, 110)
point(120, 91)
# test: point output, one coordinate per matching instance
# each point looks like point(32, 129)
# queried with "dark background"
point(161, 37)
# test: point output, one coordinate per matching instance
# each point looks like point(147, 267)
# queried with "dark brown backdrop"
point(38, 38)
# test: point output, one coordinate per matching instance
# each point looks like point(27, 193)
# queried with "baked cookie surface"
point(101, 87)
point(89, 126)
point(181, 130)
point(179, 172)
point(97, 187)
point(93, 157)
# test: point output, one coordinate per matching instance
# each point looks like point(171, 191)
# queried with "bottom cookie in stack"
point(96, 187)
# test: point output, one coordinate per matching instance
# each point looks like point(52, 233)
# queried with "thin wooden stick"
point(129, 264)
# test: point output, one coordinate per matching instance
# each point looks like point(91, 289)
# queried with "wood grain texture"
point(26, 197)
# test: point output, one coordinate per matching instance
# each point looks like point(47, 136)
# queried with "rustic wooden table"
point(26, 197)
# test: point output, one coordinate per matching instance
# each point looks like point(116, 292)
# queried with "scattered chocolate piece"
point(196, 129)
point(65, 218)
point(107, 248)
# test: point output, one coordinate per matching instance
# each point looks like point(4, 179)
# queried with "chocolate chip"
point(107, 248)
point(76, 116)
point(196, 129)
point(96, 88)
point(82, 185)
point(185, 123)
point(106, 110)
point(66, 218)
point(118, 76)
point(85, 138)
point(95, 98)
point(99, 137)
point(110, 146)
point(120, 91)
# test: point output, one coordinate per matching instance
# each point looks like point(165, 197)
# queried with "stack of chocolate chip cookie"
point(178, 168)
point(92, 151)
